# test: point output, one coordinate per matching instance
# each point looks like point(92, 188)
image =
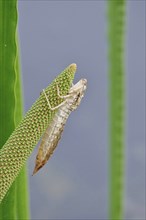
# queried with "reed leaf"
point(8, 50)
point(20, 144)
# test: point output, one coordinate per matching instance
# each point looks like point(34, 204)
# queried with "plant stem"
point(22, 202)
point(116, 13)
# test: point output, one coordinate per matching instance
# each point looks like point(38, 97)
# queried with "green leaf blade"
point(22, 141)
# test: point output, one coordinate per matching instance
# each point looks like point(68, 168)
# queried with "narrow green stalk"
point(22, 202)
point(20, 144)
point(116, 15)
point(22, 195)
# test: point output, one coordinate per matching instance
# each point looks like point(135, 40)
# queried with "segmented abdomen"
point(51, 136)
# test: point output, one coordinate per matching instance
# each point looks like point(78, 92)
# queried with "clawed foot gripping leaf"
point(25, 137)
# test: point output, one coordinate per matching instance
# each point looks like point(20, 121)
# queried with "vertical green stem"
point(116, 15)
point(22, 201)
point(22, 195)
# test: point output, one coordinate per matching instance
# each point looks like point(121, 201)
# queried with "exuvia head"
point(81, 86)
point(77, 93)
point(84, 82)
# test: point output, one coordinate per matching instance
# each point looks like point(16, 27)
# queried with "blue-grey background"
point(74, 183)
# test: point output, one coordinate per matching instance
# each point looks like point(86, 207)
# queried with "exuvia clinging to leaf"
point(53, 133)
